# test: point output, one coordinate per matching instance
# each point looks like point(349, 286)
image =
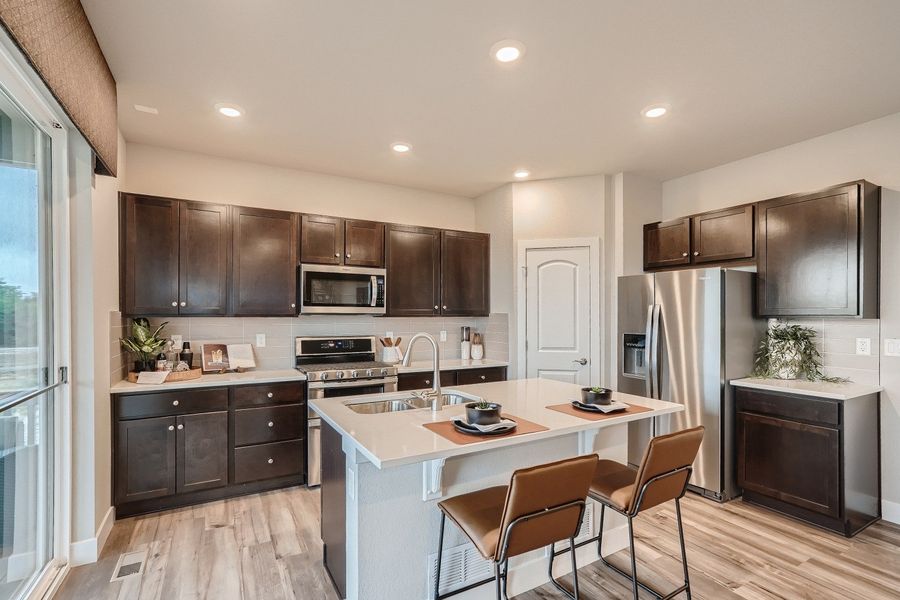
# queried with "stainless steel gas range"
point(335, 367)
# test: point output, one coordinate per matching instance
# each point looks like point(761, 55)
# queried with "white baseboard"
point(890, 511)
point(87, 551)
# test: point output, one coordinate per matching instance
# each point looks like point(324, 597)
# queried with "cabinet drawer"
point(421, 381)
point(801, 408)
point(179, 402)
point(268, 424)
point(268, 461)
point(467, 376)
point(271, 393)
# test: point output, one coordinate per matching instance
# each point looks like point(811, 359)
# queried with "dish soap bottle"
point(186, 354)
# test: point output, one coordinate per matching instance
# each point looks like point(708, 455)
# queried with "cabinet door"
point(723, 235)
point(321, 239)
point(467, 376)
point(145, 459)
point(203, 259)
point(202, 451)
point(264, 262)
point(149, 250)
point(667, 244)
point(413, 259)
point(422, 380)
point(465, 273)
point(809, 254)
point(363, 243)
point(794, 462)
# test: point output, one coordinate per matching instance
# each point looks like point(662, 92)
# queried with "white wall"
point(868, 151)
point(177, 174)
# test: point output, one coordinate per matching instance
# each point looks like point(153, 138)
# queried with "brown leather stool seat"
point(541, 505)
point(613, 483)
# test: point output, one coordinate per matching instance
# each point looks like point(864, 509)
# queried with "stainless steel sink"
point(380, 406)
point(446, 400)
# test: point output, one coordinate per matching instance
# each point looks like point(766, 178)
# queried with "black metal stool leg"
point(553, 580)
point(600, 535)
point(440, 552)
point(497, 578)
point(634, 579)
point(684, 564)
point(574, 567)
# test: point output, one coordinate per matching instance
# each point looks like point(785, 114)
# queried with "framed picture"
point(215, 357)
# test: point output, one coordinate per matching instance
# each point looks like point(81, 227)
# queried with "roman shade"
point(57, 39)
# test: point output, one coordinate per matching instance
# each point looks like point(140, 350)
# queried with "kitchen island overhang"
point(383, 473)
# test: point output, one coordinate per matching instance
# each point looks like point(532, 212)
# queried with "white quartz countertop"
point(400, 438)
point(212, 380)
point(821, 389)
point(425, 366)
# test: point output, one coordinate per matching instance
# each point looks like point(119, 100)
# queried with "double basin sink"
point(410, 403)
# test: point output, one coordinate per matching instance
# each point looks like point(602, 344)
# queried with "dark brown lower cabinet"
point(183, 447)
point(422, 380)
point(333, 500)
point(815, 459)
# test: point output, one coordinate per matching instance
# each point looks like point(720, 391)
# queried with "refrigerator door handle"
point(648, 338)
point(654, 354)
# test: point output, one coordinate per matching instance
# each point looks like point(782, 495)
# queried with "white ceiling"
point(327, 85)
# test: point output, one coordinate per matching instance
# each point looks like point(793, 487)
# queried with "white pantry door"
point(557, 314)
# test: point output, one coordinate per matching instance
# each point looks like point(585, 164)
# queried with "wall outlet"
point(443, 335)
point(176, 342)
point(864, 346)
point(260, 340)
point(892, 347)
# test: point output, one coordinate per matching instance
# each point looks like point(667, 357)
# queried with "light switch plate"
point(443, 335)
point(891, 347)
point(864, 346)
point(260, 340)
point(176, 342)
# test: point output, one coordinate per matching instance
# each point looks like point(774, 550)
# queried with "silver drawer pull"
point(174, 402)
point(171, 428)
point(270, 395)
point(271, 424)
point(180, 427)
point(427, 382)
point(484, 377)
point(271, 460)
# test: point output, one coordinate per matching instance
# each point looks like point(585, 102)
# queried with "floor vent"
point(460, 566)
point(130, 563)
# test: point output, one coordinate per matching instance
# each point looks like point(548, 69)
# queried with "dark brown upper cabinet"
point(321, 239)
point(465, 273)
point(413, 261)
point(722, 235)
point(264, 262)
point(335, 241)
point(818, 253)
point(667, 244)
point(174, 256)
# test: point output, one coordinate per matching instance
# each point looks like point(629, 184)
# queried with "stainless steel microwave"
point(338, 290)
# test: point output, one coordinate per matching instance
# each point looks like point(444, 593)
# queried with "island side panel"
point(334, 519)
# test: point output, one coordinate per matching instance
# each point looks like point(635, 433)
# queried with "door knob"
point(581, 361)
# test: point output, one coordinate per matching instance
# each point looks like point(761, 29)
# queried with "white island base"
point(395, 472)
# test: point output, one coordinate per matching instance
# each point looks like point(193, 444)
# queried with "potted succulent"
point(596, 395)
point(144, 343)
point(483, 413)
point(789, 352)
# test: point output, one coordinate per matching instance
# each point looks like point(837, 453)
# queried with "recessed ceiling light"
point(401, 147)
point(229, 110)
point(146, 109)
point(508, 51)
point(521, 173)
point(654, 112)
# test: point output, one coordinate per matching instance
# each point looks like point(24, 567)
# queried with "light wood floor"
point(266, 547)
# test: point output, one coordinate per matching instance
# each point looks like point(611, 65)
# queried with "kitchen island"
point(382, 475)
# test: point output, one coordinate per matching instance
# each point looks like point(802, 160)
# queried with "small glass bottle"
point(187, 354)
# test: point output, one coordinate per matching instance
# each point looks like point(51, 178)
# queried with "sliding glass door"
point(27, 373)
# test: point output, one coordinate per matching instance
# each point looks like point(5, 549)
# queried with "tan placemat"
point(583, 414)
point(445, 429)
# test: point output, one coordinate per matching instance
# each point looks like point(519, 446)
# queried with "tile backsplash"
point(836, 341)
point(281, 331)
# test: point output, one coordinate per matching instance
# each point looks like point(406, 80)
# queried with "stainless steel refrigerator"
point(682, 335)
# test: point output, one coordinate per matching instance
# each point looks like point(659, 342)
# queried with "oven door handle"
point(322, 385)
point(373, 284)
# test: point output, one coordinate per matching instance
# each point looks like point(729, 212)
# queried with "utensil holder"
point(390, 354)
point(477, 351)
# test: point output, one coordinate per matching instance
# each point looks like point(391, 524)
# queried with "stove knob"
point(353, 374)
point(323, 376)
point(339, 375)
point(384, 372)
point(368, 372)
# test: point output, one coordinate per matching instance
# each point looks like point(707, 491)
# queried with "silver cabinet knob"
point(270, 395)
point(270, 461)
point(174, 304)
point(483, 377)
point(444, 307)
point(696, 253)
point(684, 253)
point(271, 424)
point(427, 382)
point(337, 254)
point(293, 305)
point(171, 428)
point(348, 256)
point(436, 307)
point(180, 427)
point(183, 303)
point(175, 402)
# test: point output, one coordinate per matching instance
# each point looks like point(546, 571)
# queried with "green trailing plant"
point(789, 352)
point(144, 342)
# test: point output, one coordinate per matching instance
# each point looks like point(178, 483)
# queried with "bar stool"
point(662, 476)
point(541, 506)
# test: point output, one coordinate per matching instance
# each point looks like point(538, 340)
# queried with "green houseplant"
point(145, 343)
point(789, 352)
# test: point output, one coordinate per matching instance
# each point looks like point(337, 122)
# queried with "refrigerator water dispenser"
point(634, 354)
